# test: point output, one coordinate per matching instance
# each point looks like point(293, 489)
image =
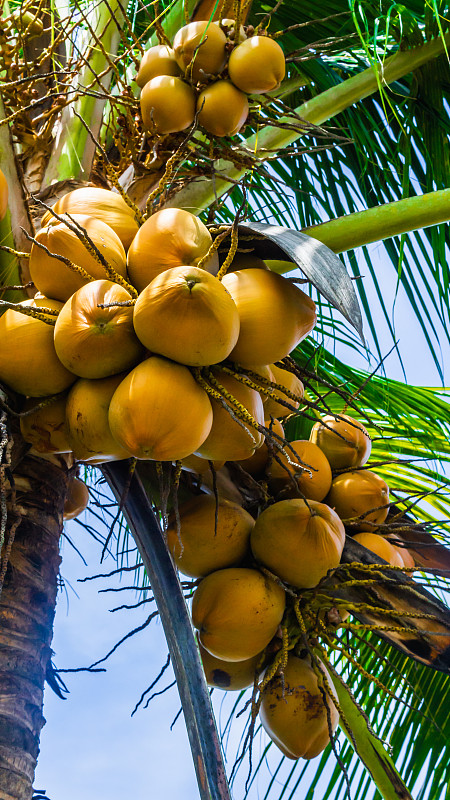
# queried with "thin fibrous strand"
point(111, 173)
point(74, 267)
point(84, 237)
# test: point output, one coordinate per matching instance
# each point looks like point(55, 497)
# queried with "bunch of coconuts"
point(153, 356)
point(209, 71)
point(297, 539)
point(138, 337)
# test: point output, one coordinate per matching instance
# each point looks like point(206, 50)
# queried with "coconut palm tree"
point(351, 149)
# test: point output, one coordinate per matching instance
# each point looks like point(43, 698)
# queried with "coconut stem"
point(382, 222)
point(33, 311)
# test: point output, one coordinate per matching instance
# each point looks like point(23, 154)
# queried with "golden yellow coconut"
point(170, 238)
point(298, 541)
point(381, 547)
point(4, 193)
point(53, 277)
point(199, 465)
point(46, 428)
point(295, 713)
point(344, 441)
point(106, 206)
point(228, 439)
point(187, 315)
point(309, 470)
point(222, 109)
point(361, 497)
point(77, 499)
point(157, 60)
point(167, 105)
point(292, 384)
point(201, 546)
point(95, 342)
point(28, 360)
point(257, 65)
point(256, 464)
point(275, 315)
point(246, 261)
point(237, 612)
point(159, 412)
point(87, 420)
point(398, 544)
point(199, 49)
point(230, 676)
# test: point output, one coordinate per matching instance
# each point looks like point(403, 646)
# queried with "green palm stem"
point(369, 748)
point(202, 193)
point(11, 271)
point(74, 151)
point(378, 223)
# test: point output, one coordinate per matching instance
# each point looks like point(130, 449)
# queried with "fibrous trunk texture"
point(35, 497)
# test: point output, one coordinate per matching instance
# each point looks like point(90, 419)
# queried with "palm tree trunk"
point(27, 609)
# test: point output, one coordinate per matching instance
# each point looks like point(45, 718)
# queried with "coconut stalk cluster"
point(207, 74)
point(140, 344)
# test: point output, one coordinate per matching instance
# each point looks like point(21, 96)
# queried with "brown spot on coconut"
point(294, 712)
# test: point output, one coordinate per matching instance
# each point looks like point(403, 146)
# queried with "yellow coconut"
point(381, 547)
point(46, 428)
point(246, 261)
point(222, 109)
point(157, 60)
point(87, 420)
point(201, 545)
point(298, 541)
point(187, 315)
point(77, 498)
point(167, 105)
point(294, 711)
point(292, 384)
point(106, 206)
point(170, 238)
point(237, 612)
point(309, 470)
point(199, 465)
point(54, 278)
point(159, 412)
point(257, 65)
point(361, 496)
point(398, 544)
point(344, 441)
point(228, 439)
point(256, 463)
point(96, 342)
point(28, 360)
point(199, 49)
point(275, 315)
point(4, 192)
point(230, 676)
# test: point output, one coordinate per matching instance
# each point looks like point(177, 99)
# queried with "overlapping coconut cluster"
point(157, 352)
point(209, 72)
